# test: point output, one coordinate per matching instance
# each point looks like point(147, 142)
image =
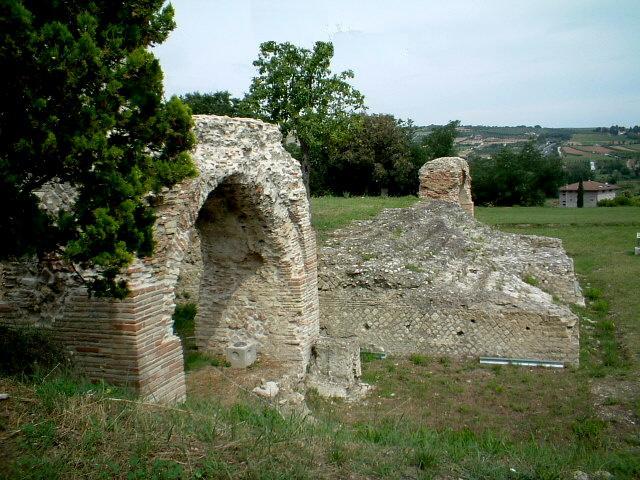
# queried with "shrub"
point(593, 293)
point(531, 280)
point(419, 359)
point(184, 319)
point(621, 201)
point(24, 350)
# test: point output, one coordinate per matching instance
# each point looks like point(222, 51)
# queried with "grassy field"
point(603, 138)
point(428, 418)
point(591, 138)
point(536, 216)
point(330, 213)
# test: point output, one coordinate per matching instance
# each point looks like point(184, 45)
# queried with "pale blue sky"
point(496, 62)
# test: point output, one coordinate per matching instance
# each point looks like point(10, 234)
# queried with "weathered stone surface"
point(431, 279)
point(55, 196)
point(241, 237)
point(598, 475)
point(334, 370)
point(447, 179)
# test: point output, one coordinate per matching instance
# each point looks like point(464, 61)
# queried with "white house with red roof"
point(593, 193)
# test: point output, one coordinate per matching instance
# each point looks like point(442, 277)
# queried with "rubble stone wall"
point(239, 234)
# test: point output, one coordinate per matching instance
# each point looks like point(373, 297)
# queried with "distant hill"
point(485, 140)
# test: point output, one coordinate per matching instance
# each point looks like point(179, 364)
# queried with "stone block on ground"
point(241, 354)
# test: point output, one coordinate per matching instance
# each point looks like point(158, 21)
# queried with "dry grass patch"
point(515, 402)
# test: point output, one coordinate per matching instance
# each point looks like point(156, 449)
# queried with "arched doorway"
point(235, 270)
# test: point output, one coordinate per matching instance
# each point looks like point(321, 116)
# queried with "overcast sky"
point(567, 63)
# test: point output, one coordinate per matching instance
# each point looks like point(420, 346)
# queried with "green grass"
point(417, 359)
point(194, 360)
point(330, 213)
point(414, 268)
point(67, 429)
point(548, 216)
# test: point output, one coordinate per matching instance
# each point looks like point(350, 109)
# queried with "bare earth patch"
point(231, 385)
point(611, 400)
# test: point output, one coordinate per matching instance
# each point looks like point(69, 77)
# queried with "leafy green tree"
point(576, 169)
point(216, 103)
point(441, 141)
point(335, 168)
point(82, 103)
point(377, 153)
point(296, 89)
point(376, 158)
point(515, 177)
point(373, 156)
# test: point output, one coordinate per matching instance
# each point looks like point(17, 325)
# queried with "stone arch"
point(240, 270)
point(248, 214)
point(131, 341)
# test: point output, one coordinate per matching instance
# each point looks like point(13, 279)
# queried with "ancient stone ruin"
point(430, 279)
point(237, 240)
point(447, 179)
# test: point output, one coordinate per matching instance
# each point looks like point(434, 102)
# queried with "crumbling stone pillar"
point(448, 179)
point(335, 368)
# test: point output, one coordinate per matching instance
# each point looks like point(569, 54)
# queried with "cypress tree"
point(82, 103)
point(580, 194)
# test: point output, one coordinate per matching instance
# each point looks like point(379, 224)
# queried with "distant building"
point(593, 193)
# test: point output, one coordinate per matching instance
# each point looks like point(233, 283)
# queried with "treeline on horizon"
point(378, 154)
point(370, 154)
